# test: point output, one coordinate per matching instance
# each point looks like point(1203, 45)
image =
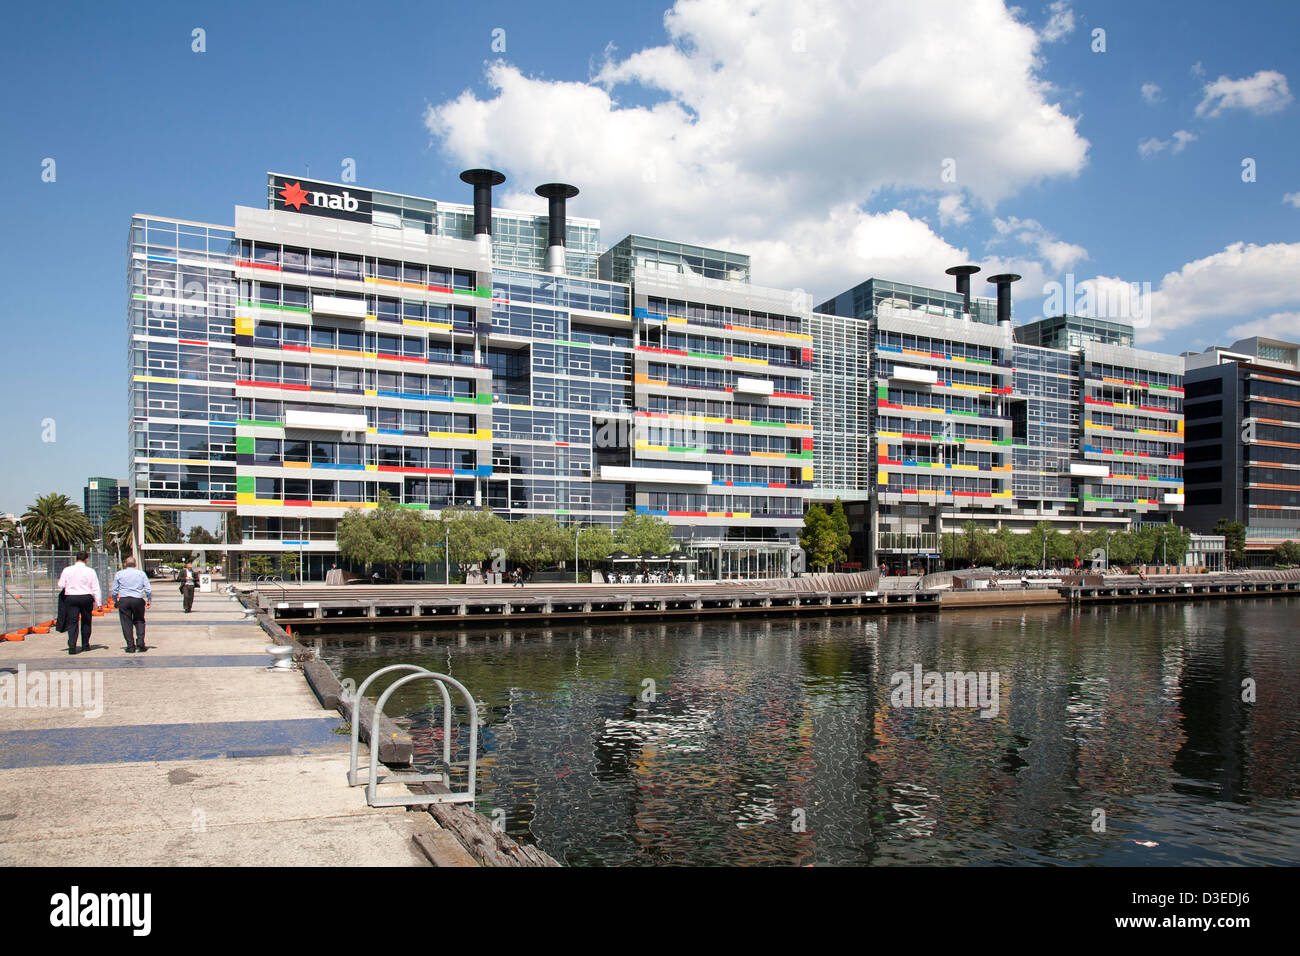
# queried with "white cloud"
point(952, 210)
point(1265, 92)
point(1059, 255)
point(1150, 147)
point(1151, 93)
point(1153, 146)
point(1239, 283)
point(1060, 22)
point(1279, 325)
point(776, 114)
point(1197, 70)
point(1292, 199)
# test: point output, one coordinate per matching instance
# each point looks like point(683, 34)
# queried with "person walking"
point(81, 595)
point(189, 581)
point(133, 594)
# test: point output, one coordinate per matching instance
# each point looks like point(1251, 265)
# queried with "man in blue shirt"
point(133, 594)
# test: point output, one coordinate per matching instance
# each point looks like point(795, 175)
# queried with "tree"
point(388, 534)
point(121, 522)
point(539, 541)
point(475, 533)
point(595, 543)
point(1287, 553)
point(1001, 546)
point(201, 535)
point(1234, 540)
point(54, 522)
point(642, 533)
point(1040, 538)
point(818, 538)
point(840, 524)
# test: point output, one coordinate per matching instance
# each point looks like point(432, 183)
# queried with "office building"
point(344, 343)
point(1243, 441)
point(967, 418)
point(99, 496)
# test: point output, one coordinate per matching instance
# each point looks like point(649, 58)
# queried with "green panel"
point(244, 444)
point(254, 423)
point(245, 484)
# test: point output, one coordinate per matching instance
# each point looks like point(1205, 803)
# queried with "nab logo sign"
point(320, 199)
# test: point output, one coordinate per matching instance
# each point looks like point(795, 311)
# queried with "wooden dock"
point(434, 605)
point(1099, 589)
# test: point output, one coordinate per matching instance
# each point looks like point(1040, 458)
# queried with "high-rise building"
point(1243, 441)
point(99, 496)
point(343, 343)
point(967, 418)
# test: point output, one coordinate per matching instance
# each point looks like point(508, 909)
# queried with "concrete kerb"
point(395, 746)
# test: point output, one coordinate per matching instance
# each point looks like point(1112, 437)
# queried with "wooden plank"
point(442, 849)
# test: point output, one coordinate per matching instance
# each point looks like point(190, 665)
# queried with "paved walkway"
point(189, 754)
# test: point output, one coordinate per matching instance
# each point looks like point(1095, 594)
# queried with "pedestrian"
point(519, 578)
point(81, 595)
point(189, 580)
point(132, 592)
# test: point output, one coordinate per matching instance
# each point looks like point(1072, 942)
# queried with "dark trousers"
point(187, 593)
point(79, 607)
point(130, 613)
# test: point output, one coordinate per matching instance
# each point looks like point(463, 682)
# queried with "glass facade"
point(343, 344)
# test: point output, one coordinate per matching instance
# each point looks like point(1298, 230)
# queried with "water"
point(775, 742)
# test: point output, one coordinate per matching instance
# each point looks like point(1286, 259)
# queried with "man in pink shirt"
point(81, 595)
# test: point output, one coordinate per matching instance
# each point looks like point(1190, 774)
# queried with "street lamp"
point(576, 528)
point(1109, 535)
point(446, 555)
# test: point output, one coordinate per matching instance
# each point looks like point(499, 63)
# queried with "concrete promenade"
point(200, 756)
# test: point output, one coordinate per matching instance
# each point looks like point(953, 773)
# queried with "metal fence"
point(29, 583)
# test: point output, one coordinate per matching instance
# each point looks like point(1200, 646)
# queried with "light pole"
point(576, 528)
point(1109, 535)
point(446, 555)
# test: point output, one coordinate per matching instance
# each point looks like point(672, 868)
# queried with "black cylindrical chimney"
point(556, 195)
point(963, 274)
point(1003, 282)
point(482, 180)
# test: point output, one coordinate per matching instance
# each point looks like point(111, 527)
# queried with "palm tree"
point(55, 522)
point(121, 522)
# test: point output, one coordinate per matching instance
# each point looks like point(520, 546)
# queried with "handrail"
point(359, 696)
point(464, 796)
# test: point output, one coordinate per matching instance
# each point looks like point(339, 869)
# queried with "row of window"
point(381, 307)
point(717, 378)
point(721, 315)
point(340, 265)
point(740, 348)
point(924, 343)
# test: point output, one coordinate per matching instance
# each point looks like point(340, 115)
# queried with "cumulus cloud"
point(1151, 93)
point(1242, 282)
point(1279, 325)
point(769, 125)
point(1292, 199)
point(1060, 22)
point(1153, 146)
point(1265, 92)
point(952, 210)
point(1057, 254)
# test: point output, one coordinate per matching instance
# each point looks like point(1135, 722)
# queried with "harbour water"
point(1119, 735)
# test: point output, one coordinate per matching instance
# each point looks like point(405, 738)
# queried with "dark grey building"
point(1243, 441)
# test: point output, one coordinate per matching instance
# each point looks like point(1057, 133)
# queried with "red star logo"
point(294, 195)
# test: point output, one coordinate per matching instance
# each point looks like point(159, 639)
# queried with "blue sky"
point(813, 135)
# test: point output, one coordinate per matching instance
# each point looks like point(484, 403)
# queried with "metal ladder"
point(443, 775)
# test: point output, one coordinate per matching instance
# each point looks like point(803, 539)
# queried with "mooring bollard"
point(281, 657)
